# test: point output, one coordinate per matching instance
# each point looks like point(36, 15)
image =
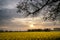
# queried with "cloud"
point(8, 12)
point(10, 20)
point(7, 15)
point(10, 4)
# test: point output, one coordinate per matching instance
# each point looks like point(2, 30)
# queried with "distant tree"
point(38, 29)
point(28, 30)
point(56, 29)
point(34, 30)
point(47, 29)
point(33, 7)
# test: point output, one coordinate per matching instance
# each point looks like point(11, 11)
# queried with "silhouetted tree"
point(33, 7)
point(47, 29)
point(56, 29)
point(34, 30)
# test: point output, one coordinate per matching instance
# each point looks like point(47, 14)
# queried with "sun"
point(31, 25)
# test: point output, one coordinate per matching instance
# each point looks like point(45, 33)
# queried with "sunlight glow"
point(31, 25)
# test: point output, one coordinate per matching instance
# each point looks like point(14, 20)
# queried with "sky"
point(11, 20)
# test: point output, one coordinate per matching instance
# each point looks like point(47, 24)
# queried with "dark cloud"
point(7, 15)
point(6, 3)
point(7, 12)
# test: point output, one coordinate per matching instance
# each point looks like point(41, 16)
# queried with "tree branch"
point(40, 8)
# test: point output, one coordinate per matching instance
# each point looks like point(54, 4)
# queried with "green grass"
point(30, 36)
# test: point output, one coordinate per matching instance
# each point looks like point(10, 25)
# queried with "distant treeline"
point(45, 29)
point(39, 30)
point(34, 30)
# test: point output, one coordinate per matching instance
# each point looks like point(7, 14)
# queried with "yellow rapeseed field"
point(29, 35)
